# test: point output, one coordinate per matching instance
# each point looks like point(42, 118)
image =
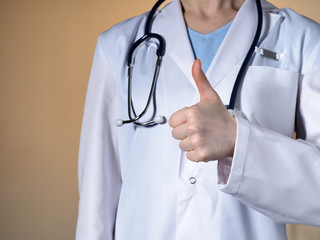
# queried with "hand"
point(207, 130)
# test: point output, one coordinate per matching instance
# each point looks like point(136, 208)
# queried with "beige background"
point(46, 49)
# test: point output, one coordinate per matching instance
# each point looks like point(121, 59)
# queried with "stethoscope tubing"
point(160, 53)
point(245, 65)
point(151, 95)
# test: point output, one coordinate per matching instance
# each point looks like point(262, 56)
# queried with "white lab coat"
point(134, 181)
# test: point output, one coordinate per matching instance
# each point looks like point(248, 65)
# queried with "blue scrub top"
point(201, 43)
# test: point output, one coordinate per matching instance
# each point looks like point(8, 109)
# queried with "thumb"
point(205, 89)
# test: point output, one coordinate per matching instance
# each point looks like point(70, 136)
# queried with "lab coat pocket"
point(268, 98)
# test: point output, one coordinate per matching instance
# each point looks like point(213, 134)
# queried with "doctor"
point(205, 174)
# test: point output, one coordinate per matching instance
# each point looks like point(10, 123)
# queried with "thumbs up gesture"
point(207, 131)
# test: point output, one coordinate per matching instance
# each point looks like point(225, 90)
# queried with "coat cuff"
point(230, 170)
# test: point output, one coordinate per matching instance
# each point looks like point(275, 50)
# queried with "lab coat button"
point(192, 180)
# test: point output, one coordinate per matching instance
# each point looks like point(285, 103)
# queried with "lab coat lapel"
point(236, 43)
point(238, 40)
point(171, 25)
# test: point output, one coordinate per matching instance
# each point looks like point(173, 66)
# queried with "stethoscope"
point(154, 120)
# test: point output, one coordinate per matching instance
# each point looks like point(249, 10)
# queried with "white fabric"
point(134, 182)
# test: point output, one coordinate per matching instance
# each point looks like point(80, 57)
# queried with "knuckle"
point(195, 140)
point(192, 128)
point(203, 154)
point(181, 145)
point(191, 112)
point(174, 134)
point(191, 157)
point(172, 121)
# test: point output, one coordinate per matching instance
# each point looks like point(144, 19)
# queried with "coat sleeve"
point(274, 174)
point(98, 169)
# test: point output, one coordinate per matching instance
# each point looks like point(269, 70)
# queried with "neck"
point(208, 15)
point(208, 6)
